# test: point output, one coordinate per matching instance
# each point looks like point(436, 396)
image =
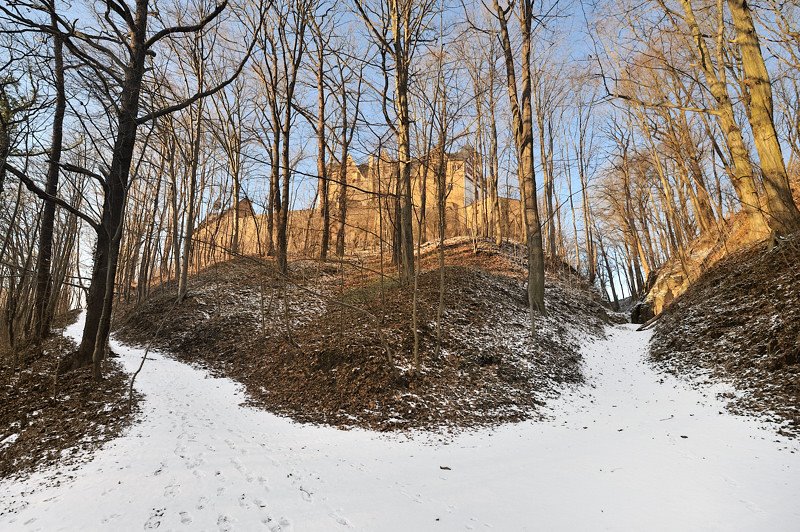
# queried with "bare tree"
point(522, 118)
point(398, 28)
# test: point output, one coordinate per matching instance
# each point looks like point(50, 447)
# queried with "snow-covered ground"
point(634, 450)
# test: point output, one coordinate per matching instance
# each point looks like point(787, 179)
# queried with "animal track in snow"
point(340, 519)
point(283, 525)
point(197, 461)
point(201, 503)
point(243, 502)
point(109, 518)
point(237, 464)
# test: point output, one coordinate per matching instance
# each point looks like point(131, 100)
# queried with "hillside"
point(679, 272)
point(336, 347)
point(739, 323)
point(47, 421)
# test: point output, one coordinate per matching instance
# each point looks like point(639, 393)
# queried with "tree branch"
point(203, 94)
point(187, 29)
point(30, 185)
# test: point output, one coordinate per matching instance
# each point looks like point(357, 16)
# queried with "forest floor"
point(739, 323)
point(631, 449)
point(46, 421)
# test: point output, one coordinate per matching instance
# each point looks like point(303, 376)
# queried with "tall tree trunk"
point(784, 215)
point(322, 168)
point(404, 155)
point(705, 211)
point(494, 160)
point(237, 200)
point(743, 178)
point(343, 166)
point(283, 209)
point(274, 202)
point(342, 215)
point(522, 119)
point(188, 232)
point(44, 278)
point(545, 155)
point(101, 290)
point(610, 273)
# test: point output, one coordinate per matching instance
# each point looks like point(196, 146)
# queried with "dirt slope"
point(740, 322)
point(341, 351)
point(43, 421)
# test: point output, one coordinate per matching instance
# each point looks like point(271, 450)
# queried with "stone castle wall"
point(370, 215)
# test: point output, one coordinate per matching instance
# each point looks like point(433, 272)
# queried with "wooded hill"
point(331, 346)
point(739, 322)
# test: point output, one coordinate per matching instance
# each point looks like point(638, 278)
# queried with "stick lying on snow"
point(144, 356)
point(646, 325)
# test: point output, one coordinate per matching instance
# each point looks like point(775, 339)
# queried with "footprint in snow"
point(243, 502)
point(283, 525)
point(242, 469)
point(340, 520)
point(109, 518)
point(185, 518)
point(197, 461)
point(172, 490)
point(224, 523)
point(416, 498)
point(154, 521)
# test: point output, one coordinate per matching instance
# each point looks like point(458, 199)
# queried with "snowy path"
point(613, 458)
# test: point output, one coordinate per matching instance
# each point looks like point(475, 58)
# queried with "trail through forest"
point(633, 449)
